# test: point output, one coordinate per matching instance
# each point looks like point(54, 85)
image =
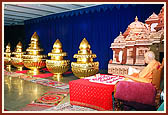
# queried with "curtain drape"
point(100, 25)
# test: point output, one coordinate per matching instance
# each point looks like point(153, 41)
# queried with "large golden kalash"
point(7, 57)
point(84, 66)
point(33, 59)
point(57, 65)
point(17, 60)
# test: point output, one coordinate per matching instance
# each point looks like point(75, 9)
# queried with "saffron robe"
point(146, 74)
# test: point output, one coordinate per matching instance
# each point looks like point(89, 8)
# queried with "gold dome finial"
point(120, 33)
point(35, 37)
point(136, 18)
point(84, 45)
point(57, 47)
point(57, 44)
point(19, 44)
point(8, 48)
point(19, 47)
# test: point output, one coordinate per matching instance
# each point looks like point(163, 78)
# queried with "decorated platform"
point(93, 92)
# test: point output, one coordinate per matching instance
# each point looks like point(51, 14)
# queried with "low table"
point(89, 94)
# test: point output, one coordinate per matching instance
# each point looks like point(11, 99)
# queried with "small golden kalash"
point(57, 65)
point(7, 57)
point(33, 59)
point(84, 66)
point(17, 60)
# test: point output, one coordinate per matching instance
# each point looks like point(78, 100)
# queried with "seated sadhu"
point(146, 74)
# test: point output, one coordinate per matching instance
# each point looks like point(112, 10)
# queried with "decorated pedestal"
point(57, 65)
point(17, 60)
point(84, 66)
point(7, 57)
point(33, 59)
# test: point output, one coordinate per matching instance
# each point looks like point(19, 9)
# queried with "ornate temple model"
point(57, 65)
point(84, 66)
point(17, 60)
point(129, 48)
point(7, 57)
point(33, 59)
point(160, 25)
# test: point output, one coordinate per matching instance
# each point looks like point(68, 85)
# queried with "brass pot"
point(18, 63)
point(7, 57)
point(57, 68)
point(84, 70)
point(84, 66)
point(33, 59)
point(57, 65)
point(34, 65)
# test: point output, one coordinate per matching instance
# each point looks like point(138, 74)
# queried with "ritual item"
point(17, 60)
point(33, 59)
point(57, 65)
point(84, 66)
point(7, 57)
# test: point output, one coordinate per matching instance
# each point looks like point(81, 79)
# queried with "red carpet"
point(68, 72)
point(45, 69)
point(35, 107)
point(24, 71)
point(44, 75)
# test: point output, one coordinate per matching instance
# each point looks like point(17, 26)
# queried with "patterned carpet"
point(51, 98)
point(45, 101)
point(39, 80)
point(51, 83)
point(35, 107)
point(68, 107)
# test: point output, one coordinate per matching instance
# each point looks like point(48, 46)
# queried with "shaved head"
point(149, 56)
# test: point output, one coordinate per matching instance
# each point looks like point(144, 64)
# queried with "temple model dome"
point(136, 27)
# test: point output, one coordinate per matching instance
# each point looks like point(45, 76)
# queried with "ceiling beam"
point(23, 12)
point(56, 6)
point(14, 19)
point(31, 8)
point(79, 5)
point(7, 20)
point(16, 15)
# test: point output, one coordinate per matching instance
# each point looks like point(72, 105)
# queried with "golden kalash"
point(17, 60)
point(7, 57)
point(57, 65)
point(33, 59)
point(84, 66)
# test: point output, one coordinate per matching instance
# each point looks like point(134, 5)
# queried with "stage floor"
point(18, 92)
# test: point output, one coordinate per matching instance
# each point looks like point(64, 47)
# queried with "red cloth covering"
point(24, 71)
point(88, 94)
point(44, 75)
point(45, 69)
point(68, 72)
point(40, 75)
point(136, 92)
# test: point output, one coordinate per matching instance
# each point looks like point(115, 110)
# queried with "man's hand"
point(129, 77)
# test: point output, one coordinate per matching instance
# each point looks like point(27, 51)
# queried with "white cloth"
point(105, 79)
point(132, 70)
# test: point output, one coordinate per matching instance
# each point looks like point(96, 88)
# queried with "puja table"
point(91, 94)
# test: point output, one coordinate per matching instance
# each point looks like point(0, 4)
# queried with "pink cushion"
point(136, 92)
